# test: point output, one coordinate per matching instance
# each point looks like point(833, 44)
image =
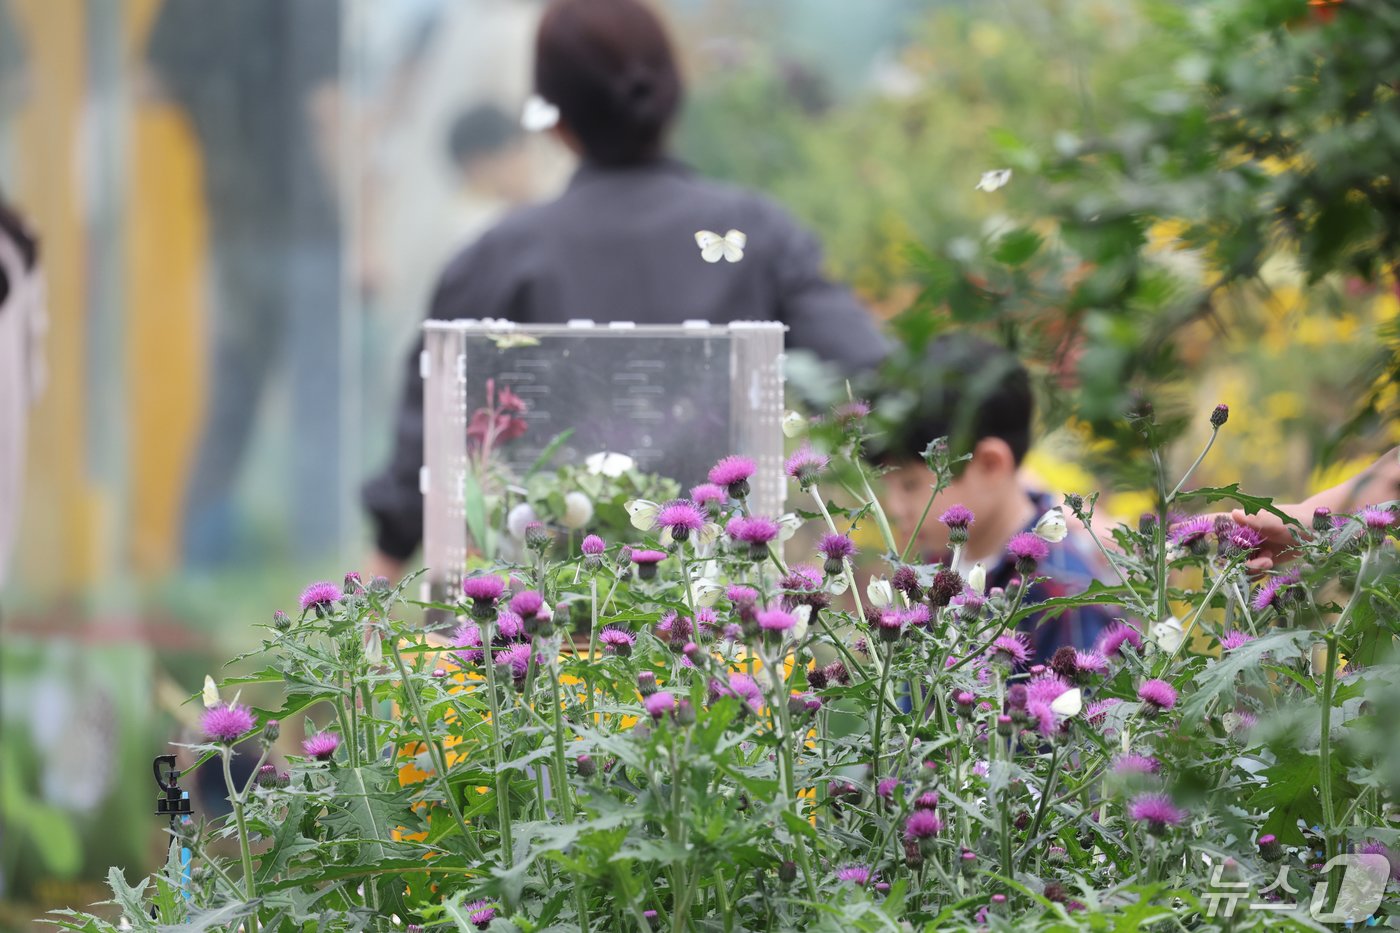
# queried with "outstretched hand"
point(1280, 540)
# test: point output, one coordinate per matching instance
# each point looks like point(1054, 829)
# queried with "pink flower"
point(1097, 711)
point(753, 530)
point(227, 724)
point(836, 548)
point(859, 875)
point(1239, 541)
point(1232, 640)
point(1377, 519)
point(731, 471)
point(775, 620)
point(1190, 531)
point(593, 546)
point(805, 465)
point(321, 746)
point(1157, 694)
point(885, 789)
point(1027, 549)
point(484, 588)
point(1091, 662)
point(681, 516)
point(707, 494)
point(517, 658)
point(1013, 648)
point(526, 603)
point(1114, 637)
point(1156, 810)
point(850, 414)
point(740, 685)
point(1131, 764)
point(922, 824)
point(957, 517)
point(481, 913)
point(319, 596)
point(741, 595)
point(468, 636)
point(659, 704)
point(617, 640)
point(1277, 592)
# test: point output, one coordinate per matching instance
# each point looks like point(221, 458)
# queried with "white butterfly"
point(977, 577)
point(1068, 703)
point(1051, 526)
point(879, 592)
point(713, 247)
point(642, 512)
point(788, 525)
point(794, 425)
point(803, 615)
point(211, 693)
point(991, 181)
point(608, 464)
point(705, 592)
point(1168, 635)
point(539, 114)
point(374, 647)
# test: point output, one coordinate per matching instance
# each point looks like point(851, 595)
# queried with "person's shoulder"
point(728, 199)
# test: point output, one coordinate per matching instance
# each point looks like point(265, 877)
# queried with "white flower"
point(608, 464)
point(578, 509)
point(518, 517)
point(1051, 526)
point(1168, 635)
point(1068, 703)
point(794, 425)
point(991, 181)
point(977, 577)
point(879, 592)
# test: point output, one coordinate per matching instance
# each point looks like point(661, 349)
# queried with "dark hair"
point(608, 66)
point(478, 131)
point(961, 387)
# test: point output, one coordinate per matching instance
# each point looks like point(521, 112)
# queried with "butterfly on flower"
point(991, 181)
point(714, 247)
point(1068, 703)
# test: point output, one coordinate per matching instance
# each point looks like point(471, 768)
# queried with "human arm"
point(1379, 482)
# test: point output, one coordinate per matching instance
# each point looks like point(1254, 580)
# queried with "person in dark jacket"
point(619, 243)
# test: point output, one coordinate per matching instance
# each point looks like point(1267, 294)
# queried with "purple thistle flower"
point(227, 724)
point(468, 636)
point(481, 913)
point(740, 685)
point(885, 789)
point(1191, 531)
point(1114, 637)
point(836, 547)
point(517, 658)
point(1244, 721)
point(1097, 711)
point(1232, 640)
point(510, 626)
point(1131, 764)
point(526, 603)
point(957, 517)
point(733, 631)
point(1157, 694)
point(1277, 592)
point(947, 584)
point(1239, 541)
point(906, 580)
point(805, 465)
point(319, 596)
point(1027, 549)
point(732, 470)
point(1156, 810)
point(859, 875)
point(1012, 648)
point(849, 414)
point(674, 628)
point(1041, 692)
point(917, 615)
point(889, 623)
point(922, 824)
point(708, 494)
point(483, 588)
point(1377, 519)
point(928, 800)
point(1091, 662)
point(643, 557)
point(753, 530)
point(321, 746)
point(1379, 848)
point(659, 704)
point(802, 578)
point(741, 595)
point(617, 640)
point(775, 620)
point(682, 517)
point(593, 546)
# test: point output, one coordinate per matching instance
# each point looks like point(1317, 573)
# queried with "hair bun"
point(636, 93)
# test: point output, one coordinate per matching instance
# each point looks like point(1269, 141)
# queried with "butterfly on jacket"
point(714, 247)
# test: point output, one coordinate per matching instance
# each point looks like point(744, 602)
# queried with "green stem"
point(502, 801)
point(914, 536)
point(1213, 432)
point(415, 703)
point(249, 882)
point(880, 718)
point(1046, 793)
point(561, 785)
point(1329, 678)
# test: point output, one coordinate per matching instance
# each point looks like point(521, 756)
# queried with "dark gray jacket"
point(619, 245)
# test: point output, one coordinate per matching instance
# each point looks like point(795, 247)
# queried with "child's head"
point(978, 395)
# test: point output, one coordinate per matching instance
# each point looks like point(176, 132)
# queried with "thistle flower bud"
point(1270, 850)
point(281, 621)
point(1322, 519)
point(646, 683)
point(906, 581)
point(585, 767)
point(685, 713)
point(1076, 503)
point(538, 537)
point(1219, 416)
point(966, 702)
point(787, 872)
point(271, 730)
point(816, 678)
point(947, 583)
point(1005, 726)
point(352, 584)
point(1016, 696)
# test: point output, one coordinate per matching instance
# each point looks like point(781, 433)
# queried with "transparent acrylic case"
point(675, 398)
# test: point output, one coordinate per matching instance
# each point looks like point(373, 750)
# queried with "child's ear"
point(993, 458)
